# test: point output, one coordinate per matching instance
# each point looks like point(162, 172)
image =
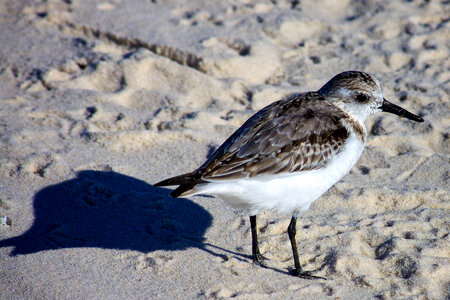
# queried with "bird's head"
point(360, 95)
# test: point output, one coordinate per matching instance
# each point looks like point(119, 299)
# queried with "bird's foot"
point(259, 259)
point(305, 274)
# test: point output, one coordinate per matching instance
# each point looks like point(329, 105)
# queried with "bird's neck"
point(356, 126)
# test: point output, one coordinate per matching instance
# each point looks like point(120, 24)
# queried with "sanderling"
point(291, 152)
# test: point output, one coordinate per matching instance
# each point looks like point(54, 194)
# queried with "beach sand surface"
point(101, 99)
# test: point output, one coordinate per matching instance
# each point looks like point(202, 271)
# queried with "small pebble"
point(5, 221)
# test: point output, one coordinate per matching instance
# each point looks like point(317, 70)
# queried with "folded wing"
point(299, 133)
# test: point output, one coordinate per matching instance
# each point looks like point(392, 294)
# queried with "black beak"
point(397, 110)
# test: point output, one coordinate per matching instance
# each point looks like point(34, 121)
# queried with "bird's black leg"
point(292, 230)
point(257, 257)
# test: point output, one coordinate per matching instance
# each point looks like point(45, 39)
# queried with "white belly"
point(286, 194)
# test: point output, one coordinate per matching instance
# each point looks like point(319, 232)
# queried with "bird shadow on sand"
point(111, 211)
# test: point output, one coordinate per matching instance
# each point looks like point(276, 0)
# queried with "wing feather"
point(297, 134)
point(302, 132)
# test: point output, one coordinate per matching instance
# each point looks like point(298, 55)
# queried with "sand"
point(100, 99)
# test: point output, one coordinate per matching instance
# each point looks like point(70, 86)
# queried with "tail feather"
point(186, 183)
point(177, 180)
point(183, 190)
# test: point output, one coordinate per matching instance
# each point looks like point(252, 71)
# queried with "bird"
point(290, 152)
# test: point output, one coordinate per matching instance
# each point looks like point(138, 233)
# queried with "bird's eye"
point(361, 98)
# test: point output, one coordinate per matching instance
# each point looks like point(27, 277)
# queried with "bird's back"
point(297, 134)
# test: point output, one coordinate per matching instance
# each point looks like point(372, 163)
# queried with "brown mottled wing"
point(296, 134)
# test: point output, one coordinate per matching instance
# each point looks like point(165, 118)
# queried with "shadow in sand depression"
point(113, 211)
